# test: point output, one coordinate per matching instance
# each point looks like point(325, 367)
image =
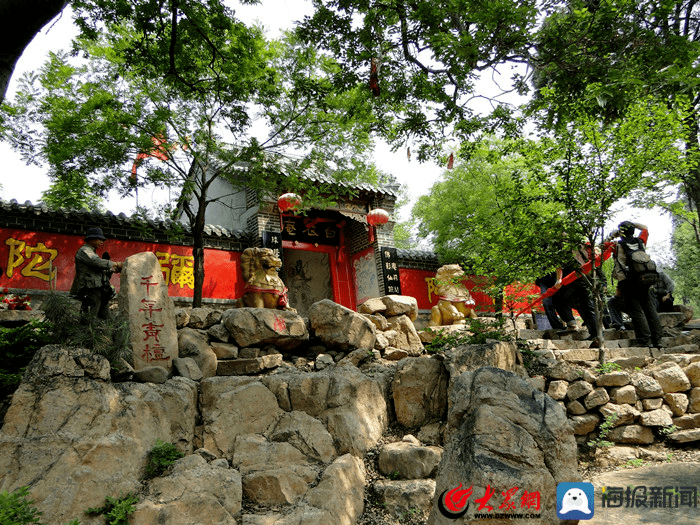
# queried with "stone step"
point(591, 354)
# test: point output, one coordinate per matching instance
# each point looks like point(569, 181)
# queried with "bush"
point(16, 509)
point(17, 348)
point(107, 337)
point(161, 456)
point(116, 510)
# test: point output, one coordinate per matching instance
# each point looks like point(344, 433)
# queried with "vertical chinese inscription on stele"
point(144, 299)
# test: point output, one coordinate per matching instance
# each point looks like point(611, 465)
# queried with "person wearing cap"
point(90, 269)
point(637, 298)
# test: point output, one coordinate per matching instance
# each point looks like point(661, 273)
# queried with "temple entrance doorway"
point(313, 273)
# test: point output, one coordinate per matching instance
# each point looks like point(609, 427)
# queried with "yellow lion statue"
point(263, 286)
point(455, 303)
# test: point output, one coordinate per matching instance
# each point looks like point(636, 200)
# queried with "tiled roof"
point(417, 255)
point(361, 186)
point(87, 216)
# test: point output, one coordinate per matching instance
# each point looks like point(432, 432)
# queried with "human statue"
point(455, 302)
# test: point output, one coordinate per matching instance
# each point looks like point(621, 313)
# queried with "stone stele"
point(143, 299)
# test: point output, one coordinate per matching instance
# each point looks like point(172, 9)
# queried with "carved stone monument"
point(143, 298)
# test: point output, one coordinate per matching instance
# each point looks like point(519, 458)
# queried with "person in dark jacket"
point(90, 273)
point(639, 303)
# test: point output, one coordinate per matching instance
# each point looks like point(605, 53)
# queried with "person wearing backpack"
point(636, 273)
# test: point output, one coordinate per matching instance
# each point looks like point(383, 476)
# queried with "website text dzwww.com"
point(498, 515)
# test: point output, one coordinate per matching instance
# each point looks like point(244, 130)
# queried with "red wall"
point(418, 284)
point(28, 260)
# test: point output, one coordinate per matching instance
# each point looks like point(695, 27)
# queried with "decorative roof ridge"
point(109, 216)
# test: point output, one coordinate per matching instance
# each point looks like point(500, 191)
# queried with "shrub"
point(107, 337)
point(606, 368)
point(160, 457)
point(116, 510)
point(605, 427)
point(476, 332)
point(17, 348)
point(16, 509)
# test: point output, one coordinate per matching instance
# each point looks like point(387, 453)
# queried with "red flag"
point(159, 151)
point(451, 162)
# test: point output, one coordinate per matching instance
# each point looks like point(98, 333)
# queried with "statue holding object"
point(455, 302)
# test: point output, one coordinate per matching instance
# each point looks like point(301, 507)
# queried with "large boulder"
point(193, 492)
point(235, 406)
point(144, 301)
point(464, 358)
point(400, 305)
point(282, 329)
point(75, 439)
point(195, 344)
point(419, 392)
point(350, 404)
point(341, 328)
point(504, 434)
point(406, 336)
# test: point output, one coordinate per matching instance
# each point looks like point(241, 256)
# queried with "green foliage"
point(116, 510)
point(161, 457)
point(476, 331)
point(428, 56)
point(609, 55)
point(667, 431)
point(107, 337)
point(603, 430)
point(17, 348)
point(606, 368)
point(686, 271)
point(16, 509)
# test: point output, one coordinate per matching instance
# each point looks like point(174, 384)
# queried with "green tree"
point(191, 116)
point(515, 211)
point(421, 61)
point(686, 271)
point(608, 55)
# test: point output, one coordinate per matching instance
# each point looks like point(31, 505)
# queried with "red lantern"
point(289, 202)
point(377, 217)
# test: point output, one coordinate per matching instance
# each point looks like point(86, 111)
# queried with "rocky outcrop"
point(75, 437)
point(285, 438)
point(504, 434)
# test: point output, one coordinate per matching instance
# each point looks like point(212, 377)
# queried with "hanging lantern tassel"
point(376, 217)
point(289, 202)
point(374, 77)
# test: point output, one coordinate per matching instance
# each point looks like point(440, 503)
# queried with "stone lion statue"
point(263, 286)
point(455, 303)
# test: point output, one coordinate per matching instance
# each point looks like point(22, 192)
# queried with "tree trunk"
point(198, 253)
point(20, 21)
